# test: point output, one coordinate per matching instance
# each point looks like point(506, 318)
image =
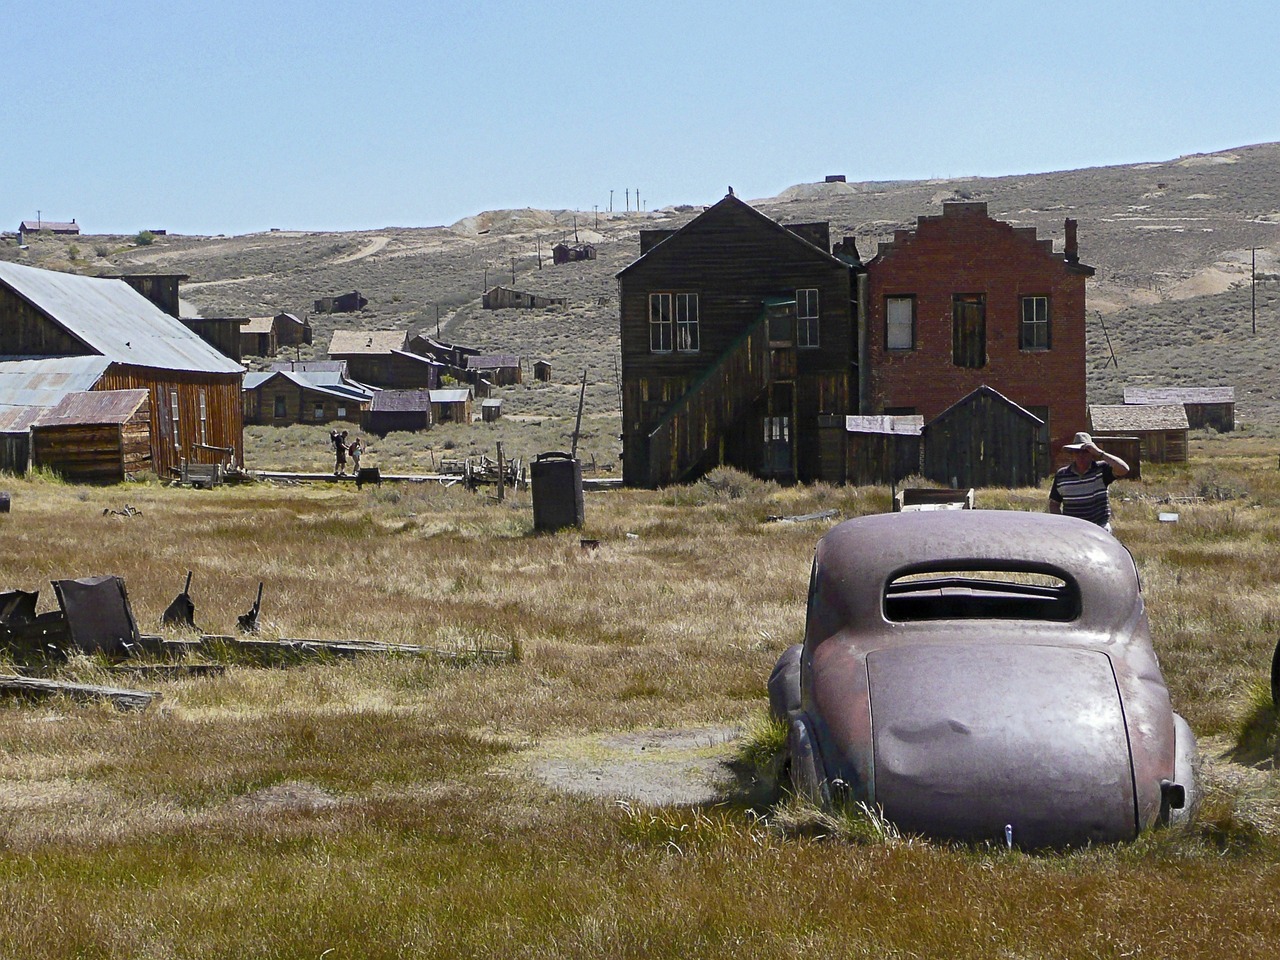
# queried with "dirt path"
point(368, 250)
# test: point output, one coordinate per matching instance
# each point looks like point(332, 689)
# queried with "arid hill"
point(1173, 244)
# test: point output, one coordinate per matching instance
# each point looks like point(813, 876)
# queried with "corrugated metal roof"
point(311, 366)
point(94, 406)
point(112, 318)
point(906, 426)
point(486, 361)
point(18, 419)
point(45, 381)
point(325, 381)
point(1167, 395)
point(347, 342)
point(451, 395)
point(419, 358)
point(1138, 416)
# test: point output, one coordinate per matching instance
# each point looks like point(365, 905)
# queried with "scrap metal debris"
point(249, 623)
point(127, 511)
point(182, 611)
point(804, 518)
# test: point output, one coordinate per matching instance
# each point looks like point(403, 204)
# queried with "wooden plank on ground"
point(32, 686)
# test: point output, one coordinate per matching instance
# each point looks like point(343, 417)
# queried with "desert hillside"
point(1172, 243)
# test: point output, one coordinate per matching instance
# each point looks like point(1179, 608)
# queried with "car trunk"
point(971, 738)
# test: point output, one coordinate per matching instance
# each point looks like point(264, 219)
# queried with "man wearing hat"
point(1080, 488)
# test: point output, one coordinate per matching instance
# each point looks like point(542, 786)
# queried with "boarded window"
point(660, 310)
point(807, 318)
point(1034, 330)
point(969, 330)
point(900, 323)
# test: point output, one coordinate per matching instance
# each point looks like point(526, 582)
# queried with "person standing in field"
point(339, 441)
point(355, 450)
point(1080, 488)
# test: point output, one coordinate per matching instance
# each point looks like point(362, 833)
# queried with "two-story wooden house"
point(965, 301)
point(737, 335)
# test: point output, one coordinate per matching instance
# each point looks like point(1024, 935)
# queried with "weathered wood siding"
point(1219, 416)
point(391, 370)
point(96, 452)
point(300, 405)
point(1128, 449)
point(734, 260)
point(221, 426)
point(15, 452)
point(25, 331)
point(985, 441)
point(881, 458)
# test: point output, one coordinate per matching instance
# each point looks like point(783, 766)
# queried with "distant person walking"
point(355, 450)
point(1080, 488)
point(339, 441)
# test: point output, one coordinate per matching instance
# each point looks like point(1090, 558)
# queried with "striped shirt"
point(1084, 495)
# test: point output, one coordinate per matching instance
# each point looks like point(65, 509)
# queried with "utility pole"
point(437, 321)
point(513, 271)
point(577, 426)
point(637, 199)
point(628, 200)
point(595, 209)
point(611, 201)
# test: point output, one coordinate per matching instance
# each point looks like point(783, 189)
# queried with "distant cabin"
point(405, 410)
point(542, 371)
point(1161, 428)
point(498, 368)
point(28, 227)
point(1213, 407)
point(569, 253)
point(451, 405)
point(490, 410)
point(498, 298)
point(343, 303)
point(258, 337)
point(312, 393)
point(986, 440)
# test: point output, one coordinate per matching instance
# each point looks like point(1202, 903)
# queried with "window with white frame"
point(660, 310)
point(807, 318)
point(204, 420)
point(1034, 330)
point(687, 322)
point(173, 412)
point(900, 323)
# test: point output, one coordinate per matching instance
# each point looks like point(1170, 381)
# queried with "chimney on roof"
point(1071, 250)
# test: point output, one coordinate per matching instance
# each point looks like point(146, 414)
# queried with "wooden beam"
point(123, 699)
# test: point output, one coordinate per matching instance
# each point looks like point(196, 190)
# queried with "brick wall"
point(964, 251)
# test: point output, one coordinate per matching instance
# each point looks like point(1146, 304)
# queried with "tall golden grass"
point(377, 808)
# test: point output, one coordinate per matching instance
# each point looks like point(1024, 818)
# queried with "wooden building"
point(221, 333)
point(498, 298)
point(404, 410)
point(29, 228)
point(737, 336)
point(965, 300)
point(291, 331)
point(490, 410)
point(498, 368)
point(451, 405)
point(351, 302)
point(279, 397)
point(986, 440)
point(882, 449)
point(1206, 407)
point(89, 325)
point(15, 438)
point(542, 371)
point(379, 359)
point(1161, 428)
point(101, 436)
point(258, 337)
point(160, 288)
point(572, 252)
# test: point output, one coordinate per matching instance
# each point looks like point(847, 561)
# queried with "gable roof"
point(366, 342)
point(114, 320)
point(729, 205)
point(402, 401)
point(996, 395)
point(258, 325)
point(1166, 395)
point(93, 407)
point(1115, 417)
point(320, 381)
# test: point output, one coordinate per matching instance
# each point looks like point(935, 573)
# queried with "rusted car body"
point(983, 675)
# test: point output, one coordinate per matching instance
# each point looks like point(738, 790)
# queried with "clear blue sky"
point(235, 116)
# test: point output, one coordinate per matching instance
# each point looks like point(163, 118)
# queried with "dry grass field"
point(395, 807)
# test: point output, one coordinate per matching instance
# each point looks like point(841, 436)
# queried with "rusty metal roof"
point(906, 426)
point(346, 342)
point(114, 320)
point(18, 419)
point(1138, 416)
point(45, 381)
point(1167, 395)
point(94, 406)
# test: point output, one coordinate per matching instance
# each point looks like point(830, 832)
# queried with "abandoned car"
point(983, 676)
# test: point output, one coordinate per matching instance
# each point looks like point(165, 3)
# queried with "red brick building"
point(964, 301)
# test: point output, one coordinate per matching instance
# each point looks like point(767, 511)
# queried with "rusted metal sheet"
point(98, 615)
point(977, 672)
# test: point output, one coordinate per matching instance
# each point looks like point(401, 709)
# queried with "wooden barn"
point(882, 449)
point(279, 397)
point(986, 440)
point(351, 302)
point(1206, 407)
point(451, 405)
point(498, 298)
point(406, 410)
point(1161, 428)
point(71, 327)
point(379, 359)
point(738, 335)
point(101, 436)
point(571, 252)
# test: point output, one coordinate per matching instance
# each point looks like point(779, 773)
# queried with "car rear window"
point(989, 594)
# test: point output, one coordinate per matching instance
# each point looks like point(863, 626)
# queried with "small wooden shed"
point(1205, 406)
point(569, 252)
point(498, 368)
point(496, 298)
point(100, 436)
point(986, 440)
point(542, 370)
point(1161, 428)
point(490, 410)
point(15, 438)
point(882, 449)
point(451, 405)
point(408, 410)
point(258, 337)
